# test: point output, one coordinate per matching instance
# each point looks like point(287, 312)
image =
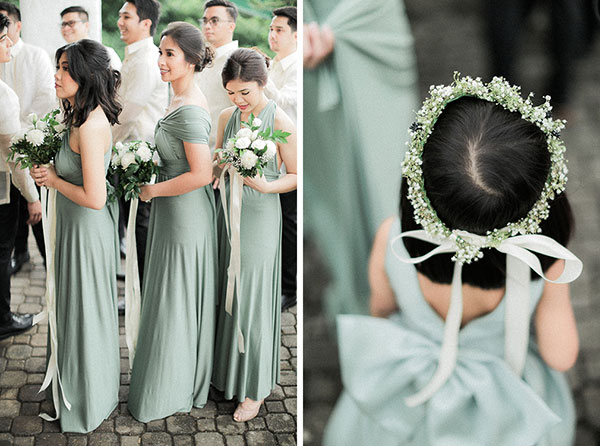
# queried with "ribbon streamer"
point(132, 284)
point(518, 261)
point(232, 223)
point(52, 372)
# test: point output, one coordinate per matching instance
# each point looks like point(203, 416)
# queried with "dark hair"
point(4, 22)
point(190, 40)
point(483, 167)
point(229, 6)
point(11, 10)
point(246, 65)
point(147, 9)
point(83, 14)
point(89, 66)
point(291, 14)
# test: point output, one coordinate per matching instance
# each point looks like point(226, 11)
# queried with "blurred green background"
point(252, 25)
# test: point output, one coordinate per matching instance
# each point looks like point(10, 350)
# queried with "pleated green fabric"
point(86, 259)
point(358, 106)
point(174, 356)
point(254, 373)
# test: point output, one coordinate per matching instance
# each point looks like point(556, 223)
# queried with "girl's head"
point(182, 51)
point(483, 167)
point(244, 77)
point(85, 80)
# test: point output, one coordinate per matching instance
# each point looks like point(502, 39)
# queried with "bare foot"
point(246, 410)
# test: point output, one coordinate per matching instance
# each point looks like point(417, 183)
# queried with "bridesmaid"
point(251, 376)
point(174, 355)
point(86, 247)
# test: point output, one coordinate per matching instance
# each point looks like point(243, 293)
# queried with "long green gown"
point(86, 259)
point(174, 355)
point(484, 402)
point(254, 373)
point(358, 105)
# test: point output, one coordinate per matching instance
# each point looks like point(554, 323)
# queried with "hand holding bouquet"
point(250, 150)
point(40, 144)
point(133, 163)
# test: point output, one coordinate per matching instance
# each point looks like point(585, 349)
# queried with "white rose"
point(248, 159)
point(257, 122)
point(126, 159)
point(59, 128)
point(230, 144)
point(271, 150)
point(115, 160)
point(243, 142)
point(244, 133)
point(255, 134)
point(259, 144)
point(32, 117)
point(35, 137)
point(144, 152)
point(41, 125)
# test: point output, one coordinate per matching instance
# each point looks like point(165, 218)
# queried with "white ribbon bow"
point(519, 259)
point(133, 299)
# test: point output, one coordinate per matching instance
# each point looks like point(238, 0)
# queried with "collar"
point(287, 61)
point(16, 49)
point(136, 46)
point(226, 49)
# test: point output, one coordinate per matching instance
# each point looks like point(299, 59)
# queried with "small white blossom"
point(230, 144)
point(244, 132)
point(15, 139)
point(243, 142)
point(41, 125)
point(127, 159)
point(35, 137)
point(144, 152)
point(259, 144)
point(271, 150)
point(257, 122)
point(59, 128)
point(32, 117)
point(248, 159)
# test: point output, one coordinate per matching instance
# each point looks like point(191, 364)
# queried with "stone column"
point(41, 22)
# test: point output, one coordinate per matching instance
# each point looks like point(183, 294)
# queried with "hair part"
point(229, 6)
point(83, 14)
point(483, 167)
point(190, 40)
point(11, 9)
point(291, 13)
point(147, 9)
point(89, 67)
point(246, 65)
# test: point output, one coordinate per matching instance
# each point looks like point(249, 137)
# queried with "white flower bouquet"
point(250, 149)
point(133, 163)
point(40, 144)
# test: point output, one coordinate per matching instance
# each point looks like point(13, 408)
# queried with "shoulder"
point(283, 122)
point(197, 98)
point(96, 123)
point(383, 232)
point(226, 114)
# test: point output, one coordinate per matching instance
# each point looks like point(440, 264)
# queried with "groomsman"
point(30, 74)
point(282, 87)
point(75, 25)
point(218, 24)
point(10, 323)
point(143, 94)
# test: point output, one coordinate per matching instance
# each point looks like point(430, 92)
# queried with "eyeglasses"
point(70, 23)
point(214, 21)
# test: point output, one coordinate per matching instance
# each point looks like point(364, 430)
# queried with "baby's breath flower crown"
point(500, 92)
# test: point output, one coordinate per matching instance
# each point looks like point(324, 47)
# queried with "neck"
point(224, 43)
point(284, 53)
point(182, 85)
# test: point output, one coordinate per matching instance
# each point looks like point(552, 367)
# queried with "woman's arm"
point(94, 138)
point(287, 152)
point(383, 301)
point(200, 174)
point(556, 330)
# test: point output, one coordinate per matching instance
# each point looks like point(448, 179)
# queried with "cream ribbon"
point(53, 372)
point(232, 223)
point(519, 260)
point(132, 284)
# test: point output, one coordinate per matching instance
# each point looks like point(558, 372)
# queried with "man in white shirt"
point(282, 86)
point(143, 95)
point(11, 324)
point(75, 26)
point(30, 74)
point(218, 24)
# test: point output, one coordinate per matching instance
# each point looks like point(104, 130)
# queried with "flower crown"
point(500, 92)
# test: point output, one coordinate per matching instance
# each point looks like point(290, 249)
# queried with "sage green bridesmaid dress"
point(87, 329)
point(358, 105)
point(254, 373)
point(174, 355)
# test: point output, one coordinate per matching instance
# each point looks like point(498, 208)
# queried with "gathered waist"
point(172, 168)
